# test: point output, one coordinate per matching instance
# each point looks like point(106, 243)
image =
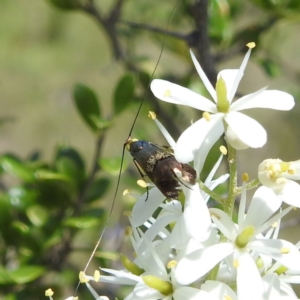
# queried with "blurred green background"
point(46, 48)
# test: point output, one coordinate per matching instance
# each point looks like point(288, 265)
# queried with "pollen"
point(223, 150)
point(128, 231)
point(49, 293)
point(285, 250)
point(127, 213)
point(167, 93)
point(82, 277)
point(142, 183)
point(96, 275)
point(226, 297)
point(152, 115)
point(126, 192)
point(251, 45)
point(206, 116)
point(171, 264)
point(274, 225)
point(236, 263)
point(245, 177)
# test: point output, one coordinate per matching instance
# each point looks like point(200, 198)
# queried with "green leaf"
point(26, 274)
point(124, 93)
point(112, 165)
point(66, 4)
point(82, 222)
point(37, 215)
point(22, 197)
point(12, 165)
point(87, 104)
point(98, 189)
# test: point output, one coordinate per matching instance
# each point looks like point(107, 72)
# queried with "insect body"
point(160, 166)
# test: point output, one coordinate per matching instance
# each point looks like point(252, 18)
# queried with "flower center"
point(243, 238)
point(223, 104)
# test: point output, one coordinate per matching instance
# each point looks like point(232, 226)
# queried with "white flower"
point(279, 176)
point(244, 241)
point(242, 131)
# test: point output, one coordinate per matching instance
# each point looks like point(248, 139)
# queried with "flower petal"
point(218, 290)
point(196, 264)
point(280, 250)
point(290, 193)
point(263, 205)
point(249, 282)
point(204, 78)
point(196, 214)
point(197, 140)
point(146, 205)
point(272, 99)
point(174, 93)
point(190, 293)
point(245, 129)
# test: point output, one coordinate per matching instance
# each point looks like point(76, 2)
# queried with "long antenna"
point(123, 151)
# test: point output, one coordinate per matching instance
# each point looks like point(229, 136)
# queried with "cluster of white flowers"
point(189, 251)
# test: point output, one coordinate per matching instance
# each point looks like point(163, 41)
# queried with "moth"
point(160, 165)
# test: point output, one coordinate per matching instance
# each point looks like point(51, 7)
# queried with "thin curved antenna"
point(123, 151)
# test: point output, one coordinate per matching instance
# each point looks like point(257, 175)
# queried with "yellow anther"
point(152, 115)
point(275, 224)
point(171, 264)
point(206, 116)
point(226, 297)
point(251, 45)
point(285, 250)
point(127, 213)
point(49, 293)
point(142, 183)
point(245, 177)
point(223, 150)
point(128, 231)
point(167, 93)
point(96, 275)
point(236, 263)
point(126, 192)
point(82, 277)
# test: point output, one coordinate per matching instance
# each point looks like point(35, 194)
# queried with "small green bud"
point(130, 266)
point(164, 287)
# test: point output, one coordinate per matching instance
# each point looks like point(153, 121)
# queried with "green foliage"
point(66, 4)
point(87, 104)
point(124, 93)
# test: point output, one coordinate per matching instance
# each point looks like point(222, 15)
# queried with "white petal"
point(198, 263)
point(197, 140)
point(196, 214)
point(272, 99)
point(246, 129)
point(239, 76)
point(189, 293)
point(218, 290)
point(273, 248)
point(165, 133)
point(229, 76)
point(174, 93)
point(146, 205)
point(204, 78)
point(263, 205)
point(224, 223)
point(249, 282)
point(290, 194)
